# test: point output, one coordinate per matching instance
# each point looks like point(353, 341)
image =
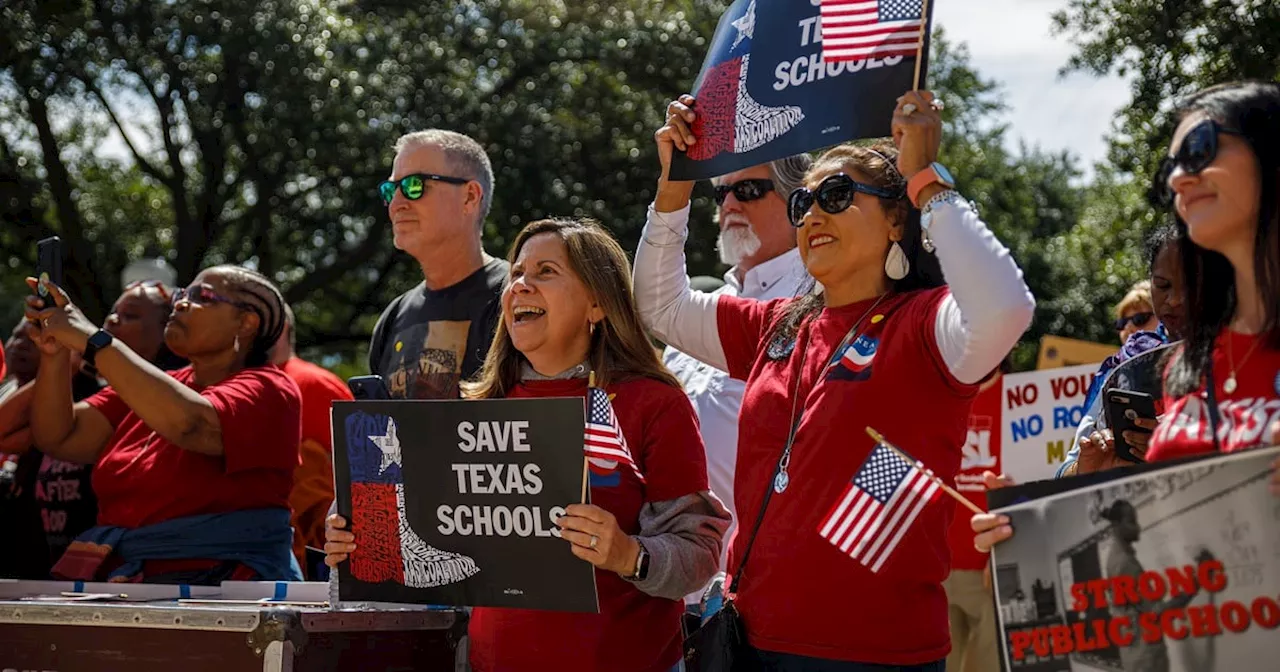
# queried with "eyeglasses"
point(834, 195)
point(148, 284)
point(1138, 319)
point(414, 186)
point(744, 190)
point(1199, 148)
point(205, 296)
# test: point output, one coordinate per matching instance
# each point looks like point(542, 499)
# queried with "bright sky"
point(1010, 42)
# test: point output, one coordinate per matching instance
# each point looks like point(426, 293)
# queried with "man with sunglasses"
point(438, 333)
point(758, 243)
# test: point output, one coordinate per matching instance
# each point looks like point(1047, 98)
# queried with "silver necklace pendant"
point(1229, 385)
point(780, 482)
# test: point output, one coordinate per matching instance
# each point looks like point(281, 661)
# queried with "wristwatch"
point(642, 566)
point(96, 342)
point(936, 172)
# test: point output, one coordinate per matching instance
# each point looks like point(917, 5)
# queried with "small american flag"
point(853, 30)
point(604, 437)
point(878, 507)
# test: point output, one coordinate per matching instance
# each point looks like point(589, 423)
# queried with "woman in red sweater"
point(567, 312)
point(883, 342)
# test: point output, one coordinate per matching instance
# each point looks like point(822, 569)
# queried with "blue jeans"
point(772, 661)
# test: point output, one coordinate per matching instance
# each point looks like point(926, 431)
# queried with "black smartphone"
point(368, 388)
point(1123, 408)
point(48, 267)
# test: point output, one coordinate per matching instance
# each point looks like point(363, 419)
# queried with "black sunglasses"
point(834, 195)
point(1199, 148)
point(744, 190)
point(1137, 319)
point(414, 186)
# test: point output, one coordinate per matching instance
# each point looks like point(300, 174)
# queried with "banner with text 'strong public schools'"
point(765, 92)
point(1161, 568)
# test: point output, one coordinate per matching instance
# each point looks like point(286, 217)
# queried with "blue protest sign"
point(765, 91)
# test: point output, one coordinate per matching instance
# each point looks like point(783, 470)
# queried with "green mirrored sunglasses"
point(414, 186)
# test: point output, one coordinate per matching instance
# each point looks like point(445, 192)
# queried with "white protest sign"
point(1039, 413)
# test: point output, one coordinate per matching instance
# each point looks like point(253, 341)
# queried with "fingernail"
point(1006, 530)
point(1004, 520)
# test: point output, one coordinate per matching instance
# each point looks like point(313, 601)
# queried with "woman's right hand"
point(338, 542)
point(1098, 453)
point(676, 132)
point(991, 528)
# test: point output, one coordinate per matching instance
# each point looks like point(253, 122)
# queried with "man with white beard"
point(759, 244)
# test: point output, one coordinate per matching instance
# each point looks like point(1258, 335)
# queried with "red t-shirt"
point(982, 453)
point(800, 594)
point(142, 479)
point(633, 631)
point(313, 481)
point(1245, 415)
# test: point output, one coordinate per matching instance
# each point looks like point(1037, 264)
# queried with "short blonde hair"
point(1138, 300)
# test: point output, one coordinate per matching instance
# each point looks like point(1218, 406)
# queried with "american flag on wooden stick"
point(878, 507)
point(854, 30)
point(604, 437)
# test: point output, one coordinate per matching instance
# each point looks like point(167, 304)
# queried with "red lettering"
point(1149, 623)
point(1121, 631)
point(1099, 589)
point(1041, 643)
point(1122, 591)
point(1062, 644)
point(1182, 581)
point(1068, 387)
point(1099, 635)
point(1171, 630)
point(1235, 616)
point(1079, 598)
point(1017, 396)
point(1204, 621)
point(1019, 640)
point(1151, 585)
point(1213, 576)
point(1266, 612)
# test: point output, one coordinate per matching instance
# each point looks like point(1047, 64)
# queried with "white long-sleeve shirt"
point(715, 395)
point(988, 309)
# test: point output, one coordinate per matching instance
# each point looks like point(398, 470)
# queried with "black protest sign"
point(765, 92)
point(455, 502)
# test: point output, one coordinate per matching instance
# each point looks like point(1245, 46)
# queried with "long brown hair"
point(875, 162)
point(620, 349)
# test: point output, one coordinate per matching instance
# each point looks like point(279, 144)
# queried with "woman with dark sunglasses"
point(1222, 181)
point(882, 343)
point(193, 468)
point(61, 491)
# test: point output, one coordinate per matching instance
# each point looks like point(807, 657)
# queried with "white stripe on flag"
point(857, 514)
point(906, 525)
point(877, 521)
point(836, 515)
point(909, 490)
point(832, 28)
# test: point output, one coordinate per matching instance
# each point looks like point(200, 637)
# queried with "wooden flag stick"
point(924, 26)
point(911, 460)
point(591, 382)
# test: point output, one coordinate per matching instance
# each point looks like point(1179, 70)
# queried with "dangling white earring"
point(896, 265)
point(591, 329)
point(236, 344)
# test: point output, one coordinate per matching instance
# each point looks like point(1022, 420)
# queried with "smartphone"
point(48, 267)
point(1123, 408)
point(368, 388)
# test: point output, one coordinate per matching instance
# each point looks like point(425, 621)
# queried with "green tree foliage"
point(1169, 48)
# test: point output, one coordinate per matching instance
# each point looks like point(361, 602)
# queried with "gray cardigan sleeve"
point(683, 538)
